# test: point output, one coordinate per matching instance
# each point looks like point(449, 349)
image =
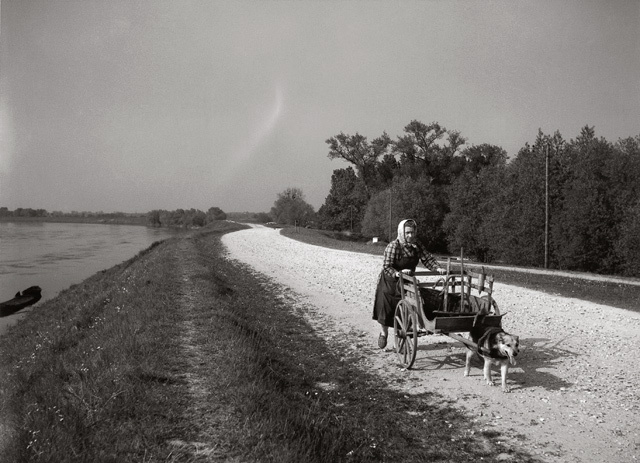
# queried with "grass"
point(619, 295)
point(180, 355)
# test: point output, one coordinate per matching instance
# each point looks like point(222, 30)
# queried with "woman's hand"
point(441, 271)
point(406, 271)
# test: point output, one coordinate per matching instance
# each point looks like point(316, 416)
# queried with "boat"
point(28, 297)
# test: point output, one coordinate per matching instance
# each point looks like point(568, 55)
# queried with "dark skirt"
point(386, 300)
point(388, 296)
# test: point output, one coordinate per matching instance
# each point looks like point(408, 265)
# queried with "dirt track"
point(574, 391)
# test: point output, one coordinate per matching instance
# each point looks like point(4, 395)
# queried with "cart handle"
point(411, 280)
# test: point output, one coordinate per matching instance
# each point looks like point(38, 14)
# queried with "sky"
point(134, 105)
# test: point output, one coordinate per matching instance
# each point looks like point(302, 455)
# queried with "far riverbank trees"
point(184, 218)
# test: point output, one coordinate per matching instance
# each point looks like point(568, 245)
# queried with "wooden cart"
point(447, 306)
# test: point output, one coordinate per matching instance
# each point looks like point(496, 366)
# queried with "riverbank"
point(55, 256)
point(181, 354)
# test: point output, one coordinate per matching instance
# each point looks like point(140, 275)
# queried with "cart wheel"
point(493, 310)
point(405, 324)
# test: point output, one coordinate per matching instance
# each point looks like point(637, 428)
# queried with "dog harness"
point(484, 341)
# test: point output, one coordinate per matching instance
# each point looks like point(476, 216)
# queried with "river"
point(55, 256)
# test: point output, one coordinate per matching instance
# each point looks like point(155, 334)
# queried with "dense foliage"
point(184, 218)
point(345, 203)
point(584, 214)
point(291, 208)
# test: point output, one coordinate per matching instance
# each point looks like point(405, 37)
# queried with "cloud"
point(257, 134)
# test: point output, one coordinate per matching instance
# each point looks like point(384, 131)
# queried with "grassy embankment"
point(180, 355)
point(619, 295)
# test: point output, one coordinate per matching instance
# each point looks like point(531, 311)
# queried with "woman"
point(400, 255)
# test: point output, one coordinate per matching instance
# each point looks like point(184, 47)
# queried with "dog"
point(495, 346)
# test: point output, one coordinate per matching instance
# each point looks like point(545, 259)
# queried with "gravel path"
point(574, 393)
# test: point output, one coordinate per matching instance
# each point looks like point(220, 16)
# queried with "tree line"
point(179, 218)
point(73, 216)
point(184, 218)
point(571, 205)
point(29, 212)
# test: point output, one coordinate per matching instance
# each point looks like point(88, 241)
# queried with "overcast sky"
point(133, 105)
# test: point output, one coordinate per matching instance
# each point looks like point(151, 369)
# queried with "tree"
point(518, 216)
point(475, 199)
point(408, 199)
point(263, 217)
point(430, 150)
point(291, 208)
point(344, 206)
point(478, 157)
point(215, 213)
point(196, 218)
point(521, 215)
point(624, 191)
point(362, 154)
point(386, 170)
point(153, 218)
point(628, 244)
point(177, 218)
point(475, 202)
point(586, 226)
point(377, 218)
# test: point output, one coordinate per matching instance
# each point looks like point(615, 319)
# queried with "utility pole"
point(390, 238)
point(546, 208)
point(351, 210)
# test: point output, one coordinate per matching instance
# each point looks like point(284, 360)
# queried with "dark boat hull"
point(28, 297)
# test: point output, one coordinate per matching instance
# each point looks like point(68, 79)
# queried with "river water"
point(55, 256)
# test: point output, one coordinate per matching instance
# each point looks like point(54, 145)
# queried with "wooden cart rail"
point(452, 285)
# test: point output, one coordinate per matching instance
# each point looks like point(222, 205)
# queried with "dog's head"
point(509, 346)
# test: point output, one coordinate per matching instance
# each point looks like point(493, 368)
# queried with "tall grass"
point(120, 368)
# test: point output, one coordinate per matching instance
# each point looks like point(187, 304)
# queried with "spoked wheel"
point(405, 324)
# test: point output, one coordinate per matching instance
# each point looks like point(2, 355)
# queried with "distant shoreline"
point(88, 220)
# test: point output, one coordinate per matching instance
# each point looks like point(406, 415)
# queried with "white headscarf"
point(401, 236)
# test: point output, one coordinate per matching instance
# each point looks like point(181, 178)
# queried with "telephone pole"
point(546, 207)
point(351, 210)
point(390, 238)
